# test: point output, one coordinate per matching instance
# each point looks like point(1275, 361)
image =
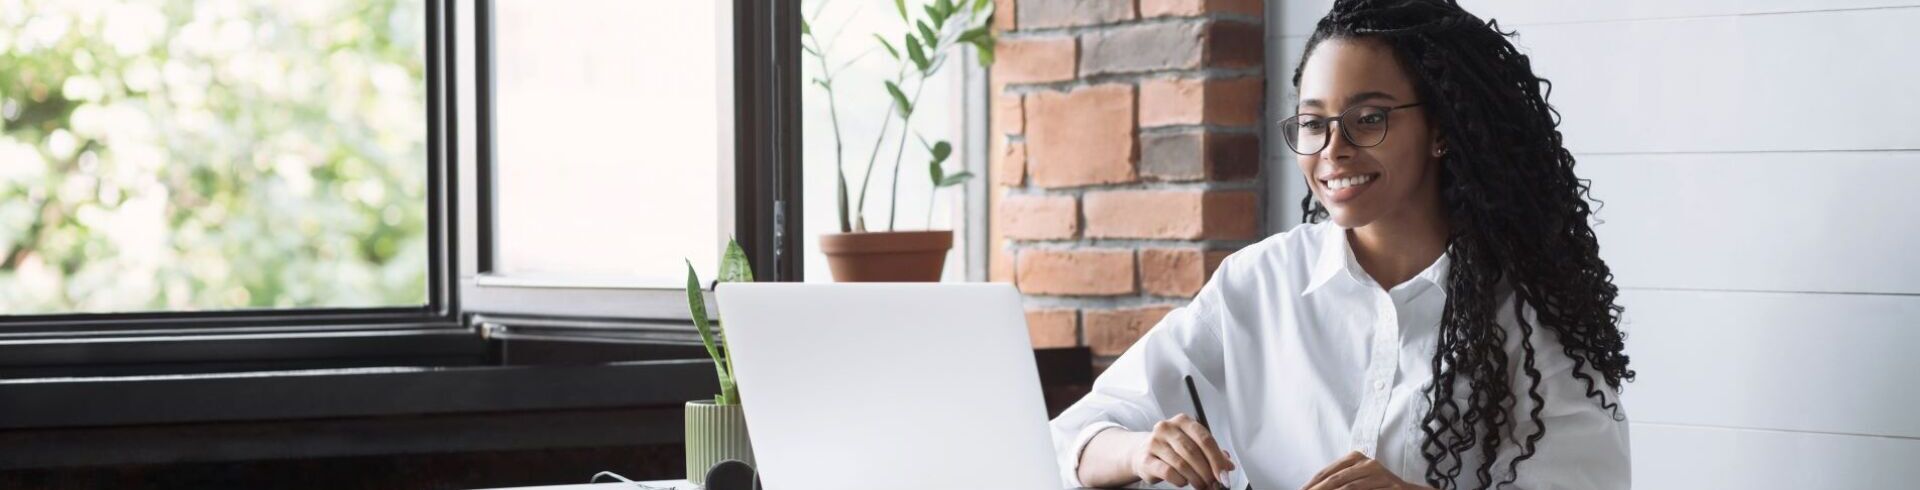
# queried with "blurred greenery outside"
point(183, 155)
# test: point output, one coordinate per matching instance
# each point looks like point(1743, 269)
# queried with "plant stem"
point(894, 199)
point(839, 154)
point(860, 208)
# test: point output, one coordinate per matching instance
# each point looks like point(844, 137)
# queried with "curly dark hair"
point(1518, 221)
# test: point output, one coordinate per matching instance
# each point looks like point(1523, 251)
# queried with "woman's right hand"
point(1181, 452)
point(1177, 451)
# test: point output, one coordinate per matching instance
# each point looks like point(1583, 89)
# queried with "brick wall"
point(1126, 158)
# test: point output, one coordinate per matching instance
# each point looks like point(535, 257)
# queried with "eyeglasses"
point(1363, 126)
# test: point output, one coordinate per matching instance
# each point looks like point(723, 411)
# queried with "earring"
point(1440, 152)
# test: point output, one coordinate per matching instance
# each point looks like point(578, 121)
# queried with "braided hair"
point(1518, 221)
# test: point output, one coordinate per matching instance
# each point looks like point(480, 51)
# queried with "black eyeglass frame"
point(1326, 138)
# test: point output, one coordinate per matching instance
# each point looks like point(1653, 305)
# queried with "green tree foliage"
point(211, 155)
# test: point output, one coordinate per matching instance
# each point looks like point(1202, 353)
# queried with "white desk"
point(657, 485)
point(618, 485)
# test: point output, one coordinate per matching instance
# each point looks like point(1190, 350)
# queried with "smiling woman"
point(202, 156)
point(1442, 320)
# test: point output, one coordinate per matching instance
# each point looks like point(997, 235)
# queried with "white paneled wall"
point(1760, 166)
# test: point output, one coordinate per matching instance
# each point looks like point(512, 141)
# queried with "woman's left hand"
point(1356, 471)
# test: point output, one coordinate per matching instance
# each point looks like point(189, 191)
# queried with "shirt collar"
point(1333, 259)
point(1336, 257)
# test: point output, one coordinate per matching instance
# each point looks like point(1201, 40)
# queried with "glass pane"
point(844, 131)
point(212, 155)
point(612, 139)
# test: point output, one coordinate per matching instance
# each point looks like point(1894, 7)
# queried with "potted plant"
point(716, 428)
point(859, 253)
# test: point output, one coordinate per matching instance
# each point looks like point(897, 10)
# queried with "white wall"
point(1758, 160)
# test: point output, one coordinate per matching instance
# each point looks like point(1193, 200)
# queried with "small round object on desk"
point(732, 474)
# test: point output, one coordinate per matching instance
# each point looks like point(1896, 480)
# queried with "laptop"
point(888, 386)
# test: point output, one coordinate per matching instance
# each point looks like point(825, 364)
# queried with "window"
point(614, 143)
point(609, 141)
point(395, 185)
point(208, 165)
point(182, 156)
point(857, 125)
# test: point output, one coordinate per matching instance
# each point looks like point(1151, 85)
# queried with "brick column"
point(1126, 158)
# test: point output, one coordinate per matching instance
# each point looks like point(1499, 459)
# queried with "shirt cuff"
point(1072, 457)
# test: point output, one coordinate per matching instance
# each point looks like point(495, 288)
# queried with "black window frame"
point(37, 342)
point(449, 330)
point(766, 134)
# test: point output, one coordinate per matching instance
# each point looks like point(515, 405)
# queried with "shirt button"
point(1380, 385)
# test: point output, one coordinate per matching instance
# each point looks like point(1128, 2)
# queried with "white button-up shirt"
point(1300, 357)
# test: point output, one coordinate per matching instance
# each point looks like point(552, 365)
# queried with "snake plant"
point(733, 268)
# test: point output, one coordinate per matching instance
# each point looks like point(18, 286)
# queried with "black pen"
point(1200, 412)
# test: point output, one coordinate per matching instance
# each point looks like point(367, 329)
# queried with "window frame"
point(763, 207)
point(441, 306)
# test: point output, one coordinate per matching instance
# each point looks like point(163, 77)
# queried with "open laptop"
point(888, 386)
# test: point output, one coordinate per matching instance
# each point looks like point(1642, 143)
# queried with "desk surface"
point(654, 485)
point(647, 485)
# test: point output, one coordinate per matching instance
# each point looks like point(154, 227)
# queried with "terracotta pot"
point(888, 256)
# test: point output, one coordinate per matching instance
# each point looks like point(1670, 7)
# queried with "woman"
point(1451, 325)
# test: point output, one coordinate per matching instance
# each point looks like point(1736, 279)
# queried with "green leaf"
point(895, 53)
point(901, 5)
point(971, 35)
point(805, 29)
point(697, 307)
point(984, 48)
point(899, 99)
point(979, 5)
point(914, 52)
point(927, 34)
point(955, 179)
point(939, 18)
point(734, 266)
point(941, 151)
point(946, 8)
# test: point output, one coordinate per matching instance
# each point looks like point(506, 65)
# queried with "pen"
point(1200, 412)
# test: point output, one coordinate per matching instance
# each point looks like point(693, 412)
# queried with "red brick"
point(999, 256)
point(1180, 45)
point(1000, 263)
point(1053, 328)
point(1003, 15)
point(1235, 45)
point(1172, 271)
point(1182, 214)
point(1111, 332)
point(1039, 217)
point(1039, 14)
point(1082, 137)
point(1189, 8)
point(1035, 60)
point(1199, 155)
point(1144, 47)
point(1009, 162)
point(1082, 272)
point(1213, 260)
point(1008, 114)
point(1230, 215)
point(1177, 272)
point(1229, 102)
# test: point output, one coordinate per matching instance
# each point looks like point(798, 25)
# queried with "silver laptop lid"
point(888, 386)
